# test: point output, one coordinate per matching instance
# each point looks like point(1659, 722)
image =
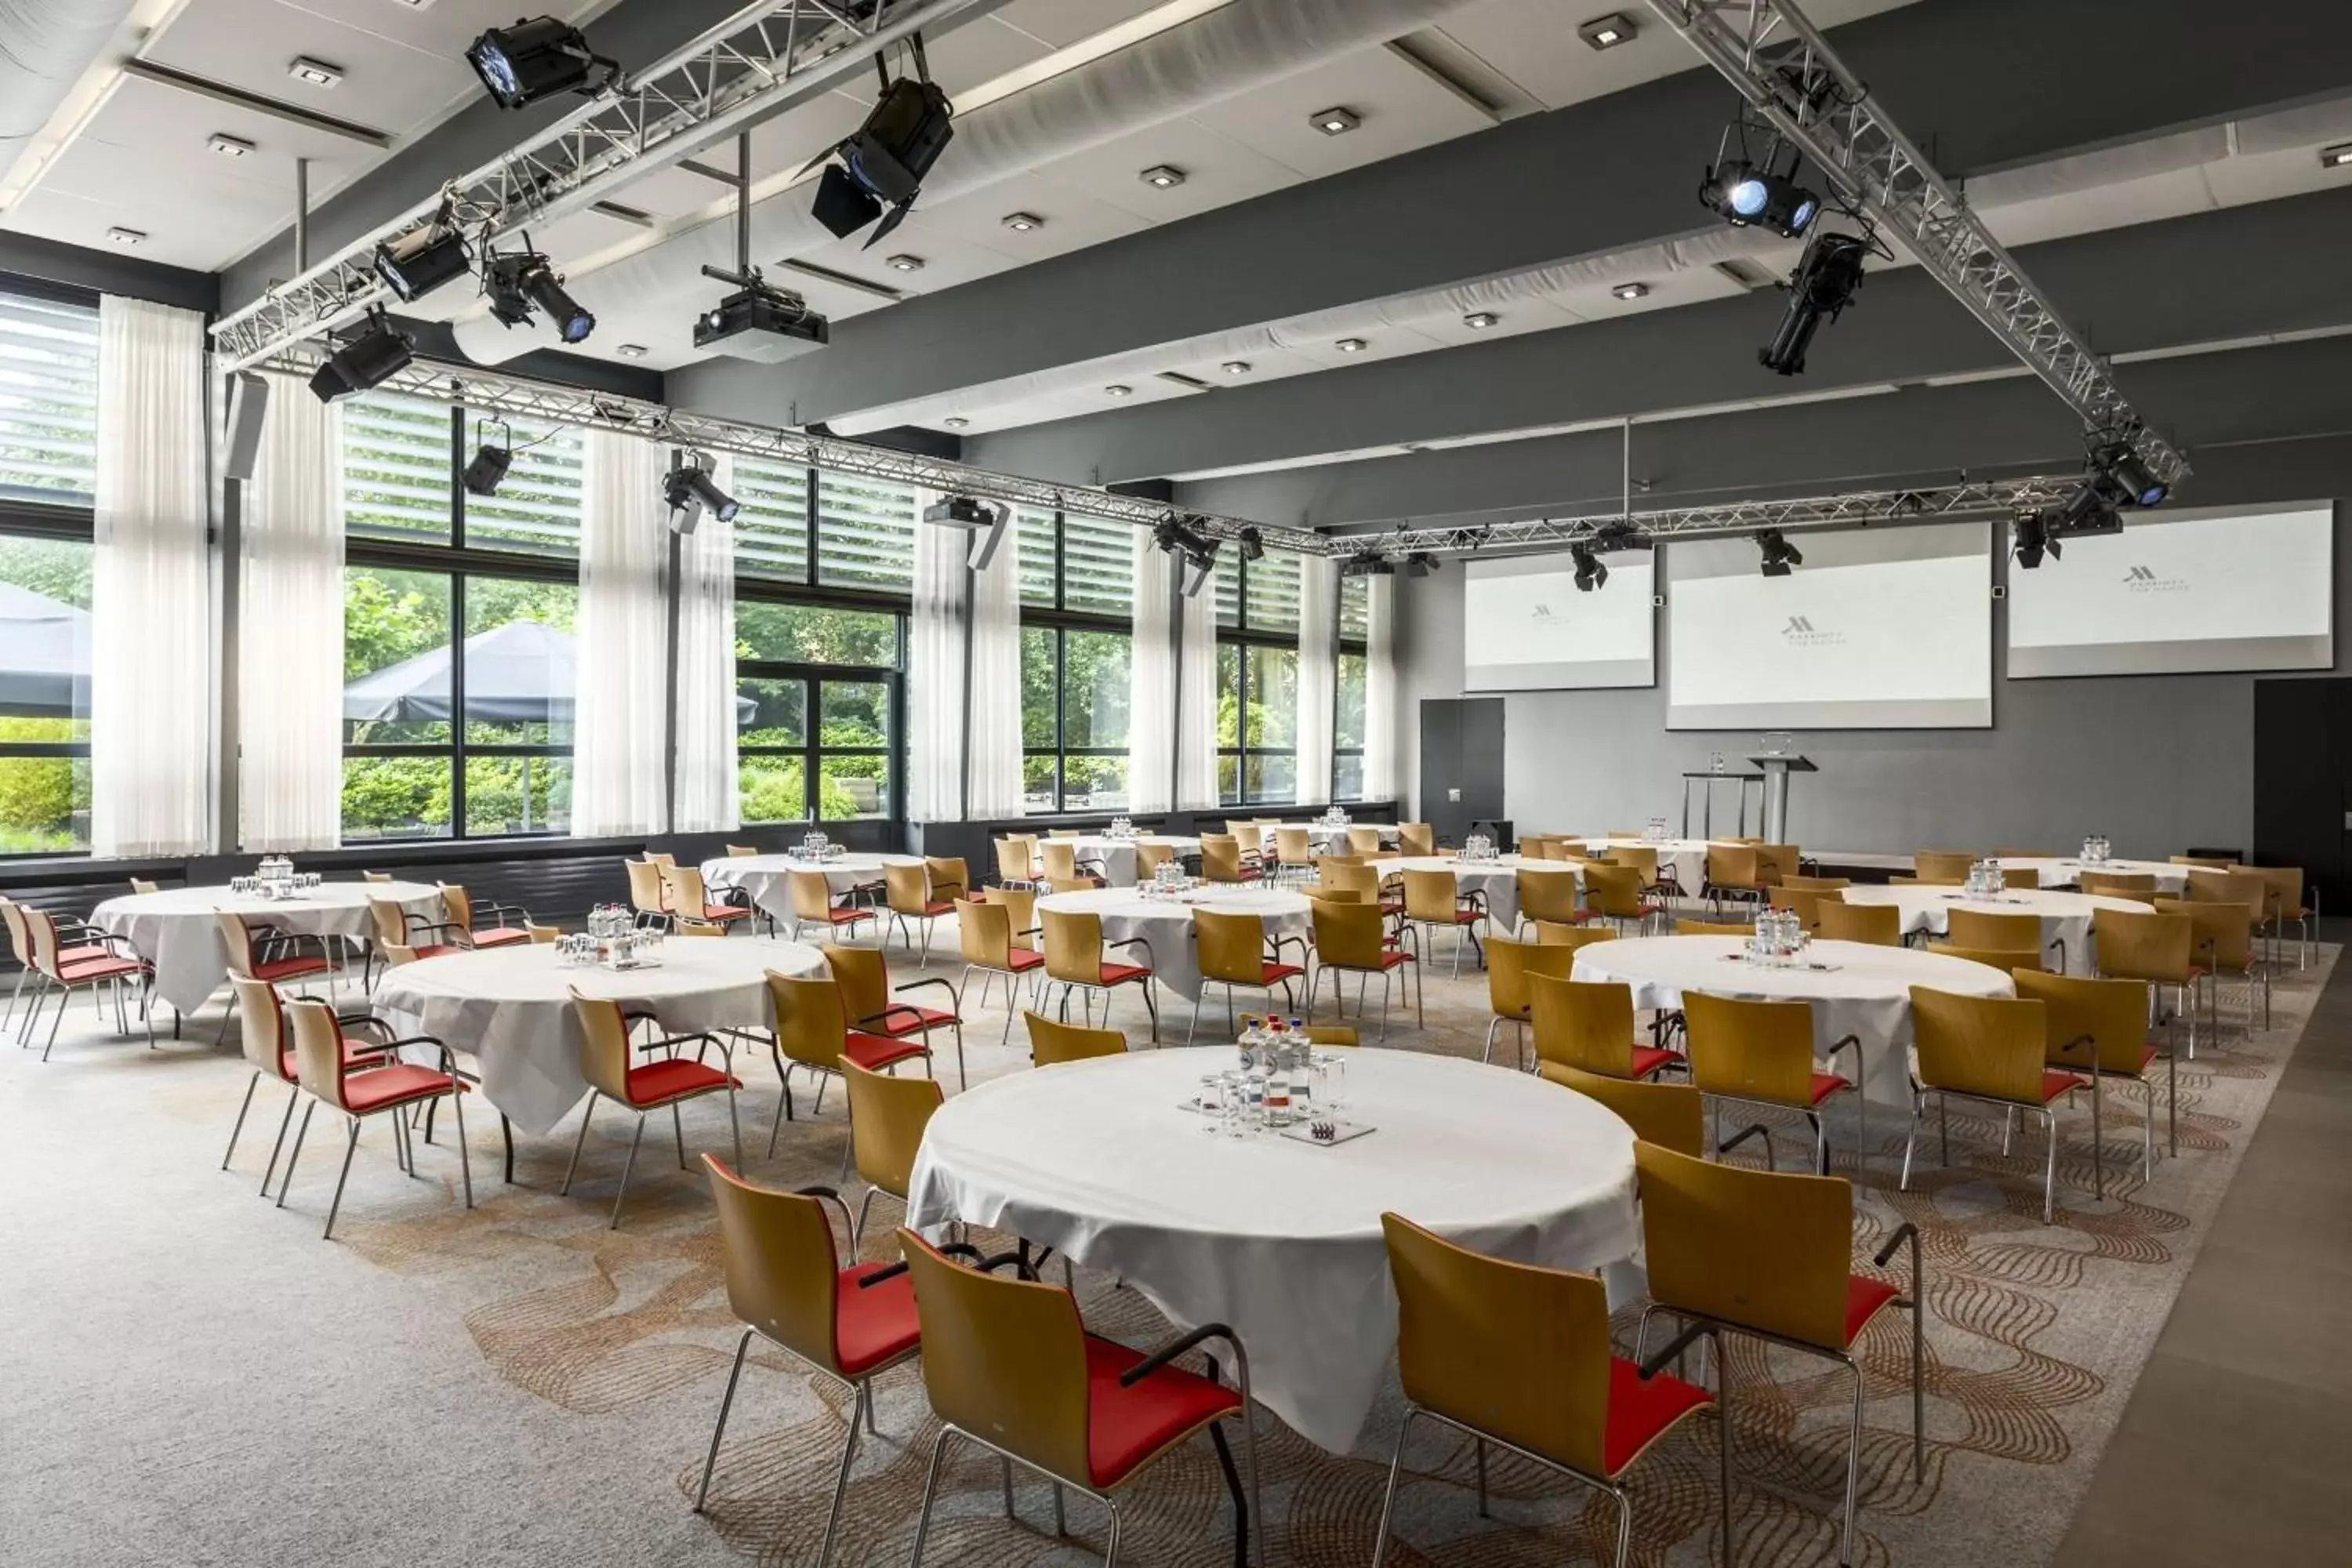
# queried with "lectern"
point(1776, 771)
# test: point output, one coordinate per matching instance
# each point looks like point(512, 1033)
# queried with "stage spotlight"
point(2090, 510)
point(1590, 572)
point(884, 163)
point(380, 352)
point(2032, 537)
point(2135, 483)
point(1419, 564)
point(1820, 290)
point(488, 468)
point(1746, 194)
point(1252, 544)
point(1778, 554)
point(536, 59)
point(688, 490)
point(519, 280)
point(422, 259)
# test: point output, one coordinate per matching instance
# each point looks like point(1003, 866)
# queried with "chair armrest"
point(1176, 1347)
point(503, 911)
point(1137, 942)
point(1276, 944)
point(1753, 1129)
point(416, 923)
point(1854, 1040)
point(953, 1250)
point(955, 998)
point(882, 1017)
point(1905, 1233)
point(1657, 1360)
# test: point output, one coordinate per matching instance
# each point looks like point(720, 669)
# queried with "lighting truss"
point(751, 65)
point(1779, 63)
point(1968, 501)
point(492, 392)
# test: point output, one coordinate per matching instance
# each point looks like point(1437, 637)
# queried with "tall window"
point(48, 464)
point(459, 613)
point(1348, 714)
point(1077, 605)
point(1257, 677)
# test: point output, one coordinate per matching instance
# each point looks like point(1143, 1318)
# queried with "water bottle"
point(1278, 1075)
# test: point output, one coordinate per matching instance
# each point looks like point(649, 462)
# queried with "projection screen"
point(2245, 588)
point(1879, 629)
point(1526, 626)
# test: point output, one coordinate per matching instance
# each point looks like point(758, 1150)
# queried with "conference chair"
point(648, 894)
point(266, 1038)
point(810, 897)
point(1941, 864)
point(1671, 1115)
point(1509, 964)
point(690, 899)
point(948, 876)
point(2138, 886)
point(1590, 1026)
point(1364, 840)
point(1817, 884)
point(249, 952)
point(1346, 876)
point(663, 858)
point(1613, 893)
point(1349, 941)
point(1248, 831)
point(1775, 863)
point(1560, 1398)
point(2220, 938)
point(741, 851)
point(911, 895)
point(2004, 959)
point(1435, 901)
point(812, 1032)
point(1294, 854)
point(2017, 877)
point(1550, 933)
point(1074, 962)
point(141, 886)
point(1734, 872)
point(1769, 1255)
point(864, 976)
point(1150, 857)
point(2210, 862)
point(1714, 928)
point(1051, 1044)
point(2287, 884)
point(1761, 1053)
point(1550, 896)
point(325, 1067)
point(1879, 925)
point(1643, 858)
point(1016, 861)
point(1232, 950)
point(2156, 949)
point(667, 1083)
point(1416, 838)
point(2097, 1030)
point(887, 1118)
point(1981, 928)
point(786, 1284)
point(1806, 902)
point(1991, 1050)
point(513, 920)
point(73, 943)
point(1223, 860)
point(377, 877)
point(1010, 1367)
point(985, 933)
point(392, 926)
point(1062, 864)
point(678, 928)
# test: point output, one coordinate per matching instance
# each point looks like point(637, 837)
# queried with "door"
point(2303, 781)
point(1461, 762)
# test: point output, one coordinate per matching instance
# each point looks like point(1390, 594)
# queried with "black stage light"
point(488, 468)
point(422, 259)
point(688, 490)
point(519, 280)
point(1419, 564)
point(1590, 572)
point(1821, 289)
point(2090, 510)
point(1778, 554)
point(535, 59)
point(2134, 482)
point(378, 354)
point(1746, 194)
point(2032, 537)
point(884, 163)
point(1252, 544)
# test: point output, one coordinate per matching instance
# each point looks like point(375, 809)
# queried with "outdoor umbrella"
point(43, 655)
point(518, 673)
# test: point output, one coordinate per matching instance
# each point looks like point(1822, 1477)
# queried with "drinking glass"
point(1230, 1107)
point(1331, 1088)
point(1212, 1100)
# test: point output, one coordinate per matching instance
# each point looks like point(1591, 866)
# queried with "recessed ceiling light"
point(1479, 321)
point(903, 263)
point(631, 351)
point(1021, 223)
point(1118, 390)
point(2336, 157)
point(1162, 177)
point(127, 237)
point(318, 73)
point(1335, 122)
point(1236, 367)
point(1631, 291)
point(1607, 32)
point(955, 422)
point(1351, 345)
point(229, 146)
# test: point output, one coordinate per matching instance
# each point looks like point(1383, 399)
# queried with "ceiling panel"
point(1380, 342)
point(948, 258)
point(974, 52)
point(1073, 220)
point(1218, 170)
point(387, 85)
point(1400, 108)
point(1064, 21)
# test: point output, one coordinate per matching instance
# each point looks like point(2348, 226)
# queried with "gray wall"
point(2156, 762)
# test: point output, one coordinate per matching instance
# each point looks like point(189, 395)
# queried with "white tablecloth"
point(1116, 855)
point(1496, 881)
point(765, 877)
point(510, 1008)
point(1278, 1239)
point(2065, 917)
point(1167, 925)
point(2171, 881)
point(1866, 993)
point(1686, 857)
point(175, 928)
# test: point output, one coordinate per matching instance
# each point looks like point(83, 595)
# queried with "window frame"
point(1243, 638)
point(812, 751)
point(1060, 619)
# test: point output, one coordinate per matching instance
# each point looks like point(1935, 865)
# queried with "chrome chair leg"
point(930, 1489)
point(726, 1403)
point(1388, 1496)
point(864, 1403)
point(628, 1165)
point(350, 1147)
point(247, 1104)
point(578, 1143)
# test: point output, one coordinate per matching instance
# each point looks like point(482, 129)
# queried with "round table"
point(1278, 1239)
point(1496, 881)
point(1116, 855)
point(510, 1007)
point(2065, 917)
point(766, 877)
point(1167, 923)
point(1865, 991)
point(176, 930)
point(1685, 858)
point(2171, 881)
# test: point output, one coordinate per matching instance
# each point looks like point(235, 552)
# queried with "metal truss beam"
point(1966, 502)
point(746, 69)
point(1779, 63)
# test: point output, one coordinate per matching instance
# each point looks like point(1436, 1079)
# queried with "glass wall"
point(1257, 677)
point(1078, 597)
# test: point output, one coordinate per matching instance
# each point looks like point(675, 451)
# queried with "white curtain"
point(1318, 674)
point(705, 796)
point(995, 683)
point(1196, 743)
point(1381, 782)
point(620, 723)
point(290, 629)
point(1152, 683)
point(935, 679)
point(150, 592)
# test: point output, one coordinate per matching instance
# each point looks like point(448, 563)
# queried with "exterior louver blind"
point(1273, 593)
point(1034, 531)
point(49, 401)
point(1355, 609)
point(396, 468)
point(772, 528)
point(536, 507)
point(865, 531)
point(1098, 565)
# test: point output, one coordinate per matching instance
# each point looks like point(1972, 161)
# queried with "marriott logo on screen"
point(2140, 579)
point(1802, 632)
point(1543, 613)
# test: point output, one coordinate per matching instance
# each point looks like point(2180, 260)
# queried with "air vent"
point(1747, 274)
point(1181, 379)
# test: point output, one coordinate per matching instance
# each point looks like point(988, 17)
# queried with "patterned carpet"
point(613, 1347)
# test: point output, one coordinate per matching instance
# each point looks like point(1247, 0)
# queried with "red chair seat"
point(1864, 1300)
point(1648, 1060)
point(841, 917)
point(356, 1054)
point(1126, 1427)
point(289, 968)
point(1826, 1084)
point(658, 1083)
point(386, 1087)
point(872, 1327)
point(435, 949)
point(1025, 958)
point(1389, 958)
point(1271, 974)
point(1120, 974)
point(498, 936)
point(939, 907)
point(2057, 1084)
point(904, 1018)
point(102, 969)
point(724, 912)
point(1468, 917)
point(68, 957)
point(1640, 1413)
point(875, 1052)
